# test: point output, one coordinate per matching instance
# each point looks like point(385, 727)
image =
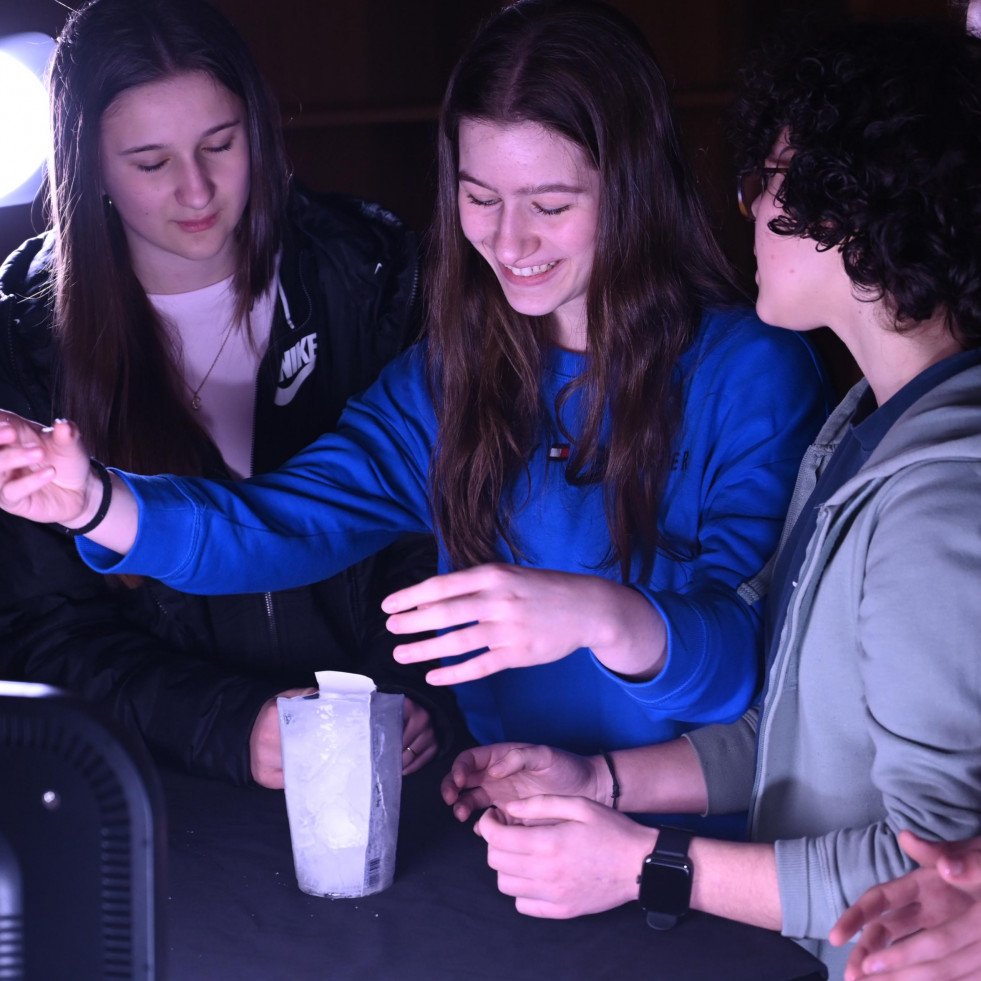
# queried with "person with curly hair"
point(860, 159)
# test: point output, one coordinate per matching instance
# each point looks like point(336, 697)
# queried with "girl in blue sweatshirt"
point(602, 439)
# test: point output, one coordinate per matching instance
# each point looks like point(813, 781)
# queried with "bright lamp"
point(24, 129)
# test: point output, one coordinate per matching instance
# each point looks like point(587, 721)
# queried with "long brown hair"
point(585, 72)
point(118, 374)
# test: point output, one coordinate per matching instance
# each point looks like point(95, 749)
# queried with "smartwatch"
point(665, 879)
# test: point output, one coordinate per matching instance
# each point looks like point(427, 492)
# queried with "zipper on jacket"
point(271, 624)
point(790, 629)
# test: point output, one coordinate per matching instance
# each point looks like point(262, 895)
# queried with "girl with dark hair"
point(601, 437)
point(197, 315)
point(861, 152)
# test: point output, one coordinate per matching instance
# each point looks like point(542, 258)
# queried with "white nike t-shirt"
point(199, 320)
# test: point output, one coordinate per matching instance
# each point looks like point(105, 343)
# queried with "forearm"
point(736, 880)
point(117, 530)
point(661, 779)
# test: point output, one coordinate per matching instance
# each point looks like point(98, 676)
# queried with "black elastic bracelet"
point(615, 793)
point(103, 506)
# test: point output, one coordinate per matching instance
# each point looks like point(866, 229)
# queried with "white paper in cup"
point(342, 770)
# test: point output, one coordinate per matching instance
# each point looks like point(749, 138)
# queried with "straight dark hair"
point(584, 71)
point(119, 376)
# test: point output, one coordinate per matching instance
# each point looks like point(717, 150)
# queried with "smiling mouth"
point(525, 271)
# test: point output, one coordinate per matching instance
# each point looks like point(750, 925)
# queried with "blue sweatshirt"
point(753, 397)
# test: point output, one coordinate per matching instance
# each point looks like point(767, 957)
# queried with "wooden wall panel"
point(360, 83)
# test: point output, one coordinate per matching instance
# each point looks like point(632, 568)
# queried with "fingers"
point(15, 427)
point(549, 808)
point(419, 744)
point(265, 745)
point(269, 776)
point(416, 756)
point(487, 820)
point(951, 950)
point(415, 720)
point(470, 801)
point(503, 836)
point(437, 615)
point(962, 870)
point(874, 903)
point(921, 851)
point(451, 644)
point(418, 750)
point(265, 748)
point(438, 588)
point(472, 669)
point(467, 773)
point(19, 488)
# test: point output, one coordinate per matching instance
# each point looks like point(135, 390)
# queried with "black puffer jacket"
point(190, 673)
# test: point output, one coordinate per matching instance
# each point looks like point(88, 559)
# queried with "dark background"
point(360, 81)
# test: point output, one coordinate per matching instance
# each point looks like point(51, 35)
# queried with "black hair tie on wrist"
point(615, 793)
point(103, 506)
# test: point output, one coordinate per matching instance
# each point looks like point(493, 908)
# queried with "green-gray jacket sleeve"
point(727, 754)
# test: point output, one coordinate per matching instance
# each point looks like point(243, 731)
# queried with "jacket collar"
point(943, 425)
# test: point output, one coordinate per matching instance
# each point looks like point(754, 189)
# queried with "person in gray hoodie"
point(860, 159)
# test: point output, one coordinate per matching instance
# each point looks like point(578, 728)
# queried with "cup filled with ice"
point(342, 769)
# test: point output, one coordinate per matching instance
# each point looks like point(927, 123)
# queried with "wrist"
point(631, 640)
point(601, 784)
point(614, 799)
point(97, 496)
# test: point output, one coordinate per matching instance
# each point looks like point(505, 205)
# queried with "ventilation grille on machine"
point(81, 843)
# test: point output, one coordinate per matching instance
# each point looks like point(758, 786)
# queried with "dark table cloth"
point(233, 910)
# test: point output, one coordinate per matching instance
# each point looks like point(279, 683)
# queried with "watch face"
point(665, 886)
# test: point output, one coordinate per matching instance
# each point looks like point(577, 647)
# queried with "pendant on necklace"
point(195, 402)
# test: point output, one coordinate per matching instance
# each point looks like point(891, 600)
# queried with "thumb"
point(547, 809)
point(516, 759)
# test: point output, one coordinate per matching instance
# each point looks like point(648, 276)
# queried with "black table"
point(233, 910)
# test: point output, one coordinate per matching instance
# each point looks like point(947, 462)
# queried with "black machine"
point(82, 843)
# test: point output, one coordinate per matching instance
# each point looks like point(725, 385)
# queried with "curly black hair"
point(885, 124)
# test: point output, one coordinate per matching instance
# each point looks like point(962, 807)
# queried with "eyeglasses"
point(751, 185)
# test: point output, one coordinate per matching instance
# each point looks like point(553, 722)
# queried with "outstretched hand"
point(923, 926)
point(45, 474)
point(519, 616)
point(490, 776)
point(566, 856)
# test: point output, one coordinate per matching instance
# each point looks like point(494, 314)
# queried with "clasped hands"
point(556, 848)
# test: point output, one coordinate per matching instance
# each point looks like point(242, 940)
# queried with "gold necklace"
point(196, 393)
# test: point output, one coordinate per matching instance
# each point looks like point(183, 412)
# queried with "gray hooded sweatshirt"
point(871, 719)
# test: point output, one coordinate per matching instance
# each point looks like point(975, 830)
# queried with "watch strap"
point(672, 842)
